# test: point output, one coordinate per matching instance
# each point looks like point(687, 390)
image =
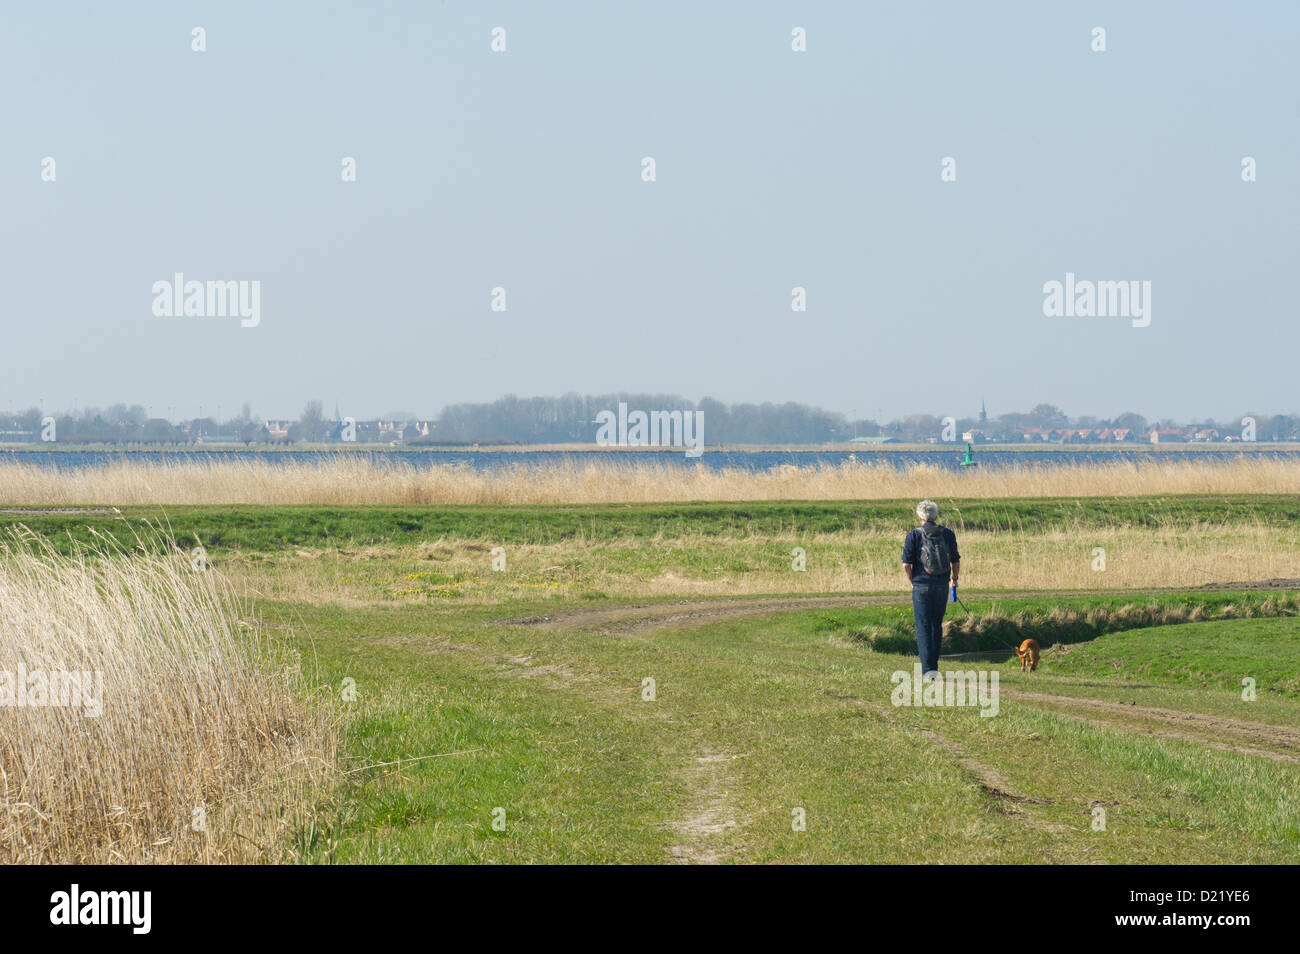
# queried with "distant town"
point(571, 419)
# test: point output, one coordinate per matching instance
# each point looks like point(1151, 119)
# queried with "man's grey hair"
point(927, 510)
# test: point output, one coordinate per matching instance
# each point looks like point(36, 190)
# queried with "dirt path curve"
point(642, 618)
point(1234, 735)
point(649, 617)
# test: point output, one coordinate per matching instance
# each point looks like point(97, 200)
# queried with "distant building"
point(275, 432)
point(13, 432)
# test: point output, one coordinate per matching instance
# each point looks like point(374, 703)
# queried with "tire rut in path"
point(1005, 799)
point(1218, 732)
point(711, 814)
point(992, 782)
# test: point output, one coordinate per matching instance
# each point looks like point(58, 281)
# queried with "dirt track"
point(1279, 743)
point(641, 618)
point(649, 617)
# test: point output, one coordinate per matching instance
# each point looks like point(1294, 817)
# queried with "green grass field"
point(754, 719)
point(506, 716)
point(271, 528)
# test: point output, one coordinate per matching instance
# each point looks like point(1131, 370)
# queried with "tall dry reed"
point(197, 745)
point(348, 479)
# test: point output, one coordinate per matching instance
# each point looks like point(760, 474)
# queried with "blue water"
point(714, 460)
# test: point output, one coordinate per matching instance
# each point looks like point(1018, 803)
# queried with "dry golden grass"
point(347, 479)
point(1137, 558)
point(197, 712)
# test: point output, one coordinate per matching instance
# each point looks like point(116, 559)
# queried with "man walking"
point(930, 560)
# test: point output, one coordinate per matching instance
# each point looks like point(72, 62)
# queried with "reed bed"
point(351, 480)
point(201, 746)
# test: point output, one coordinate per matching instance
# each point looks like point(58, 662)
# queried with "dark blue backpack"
point(935, 559)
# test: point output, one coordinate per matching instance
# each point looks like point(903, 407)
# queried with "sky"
point(775, 169)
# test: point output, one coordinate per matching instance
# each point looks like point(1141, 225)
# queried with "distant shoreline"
point(861, 449)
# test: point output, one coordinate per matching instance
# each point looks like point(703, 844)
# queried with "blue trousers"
point(929, 601)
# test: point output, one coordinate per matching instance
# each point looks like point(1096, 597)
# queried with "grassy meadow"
point(349, 553)
point(753, 719)
point(641, 680)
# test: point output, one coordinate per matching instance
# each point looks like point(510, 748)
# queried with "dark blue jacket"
point(912, 555)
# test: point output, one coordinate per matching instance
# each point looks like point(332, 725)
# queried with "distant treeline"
point(572, 418)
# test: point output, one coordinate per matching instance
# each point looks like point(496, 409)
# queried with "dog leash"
point(968, 613)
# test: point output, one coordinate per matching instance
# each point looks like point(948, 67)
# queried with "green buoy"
point(969, 461)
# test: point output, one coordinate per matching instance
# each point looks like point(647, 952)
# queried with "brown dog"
point(1028, 653)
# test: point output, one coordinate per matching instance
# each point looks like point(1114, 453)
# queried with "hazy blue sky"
point(775, 169)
